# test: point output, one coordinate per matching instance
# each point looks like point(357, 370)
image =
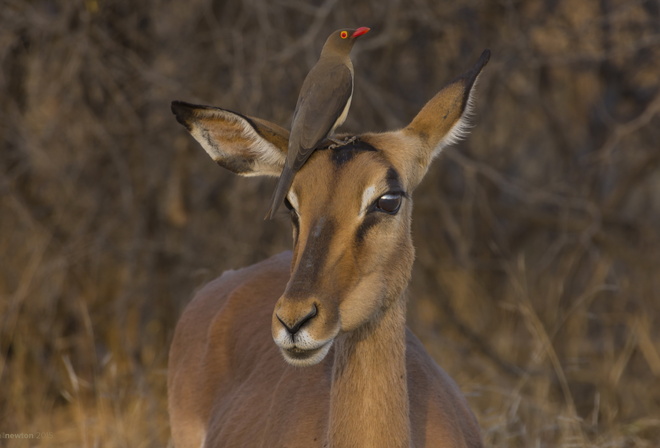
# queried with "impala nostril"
point(293, 329)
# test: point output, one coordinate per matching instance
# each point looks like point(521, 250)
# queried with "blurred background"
point(537, 279)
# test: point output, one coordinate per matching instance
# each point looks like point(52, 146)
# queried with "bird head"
point(343, 40)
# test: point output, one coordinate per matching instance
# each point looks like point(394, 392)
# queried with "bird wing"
point(327, 90)
point(325, 94)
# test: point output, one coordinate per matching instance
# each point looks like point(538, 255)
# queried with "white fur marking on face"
point(293, 200)
point(305, 341)
point(367, 198)
point(315, 359)
point(282, 339)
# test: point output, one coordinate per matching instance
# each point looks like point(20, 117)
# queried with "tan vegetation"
point(536, 280)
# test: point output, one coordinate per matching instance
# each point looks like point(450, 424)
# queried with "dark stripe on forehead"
point(343, 154)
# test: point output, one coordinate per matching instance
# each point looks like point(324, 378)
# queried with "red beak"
point(360, 31)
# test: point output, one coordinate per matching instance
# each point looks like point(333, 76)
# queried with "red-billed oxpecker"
point(323, 104)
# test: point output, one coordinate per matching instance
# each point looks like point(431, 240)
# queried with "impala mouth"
point(302, 357)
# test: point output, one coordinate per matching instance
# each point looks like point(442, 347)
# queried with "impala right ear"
point(444, 120)
point(244, 145)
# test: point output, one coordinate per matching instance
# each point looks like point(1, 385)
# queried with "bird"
point(323, 104)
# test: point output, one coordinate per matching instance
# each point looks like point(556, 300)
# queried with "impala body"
point(310, 348)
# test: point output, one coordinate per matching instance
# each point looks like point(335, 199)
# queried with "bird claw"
point(338, 143)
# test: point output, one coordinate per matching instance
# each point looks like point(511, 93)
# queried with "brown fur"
point(228, 383)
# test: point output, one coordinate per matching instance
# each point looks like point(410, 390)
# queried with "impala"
point(310, 348)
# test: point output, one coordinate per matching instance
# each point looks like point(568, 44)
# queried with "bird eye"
point(389, 203)
point(343, 34)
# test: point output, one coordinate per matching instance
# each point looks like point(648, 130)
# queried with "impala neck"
point(369, 392)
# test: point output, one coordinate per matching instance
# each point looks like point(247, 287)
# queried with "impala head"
point(350, 207)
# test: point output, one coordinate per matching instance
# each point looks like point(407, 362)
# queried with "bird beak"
point(360, 31)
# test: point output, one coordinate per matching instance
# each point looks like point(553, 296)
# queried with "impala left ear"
point(244, 145)
point(444, 119)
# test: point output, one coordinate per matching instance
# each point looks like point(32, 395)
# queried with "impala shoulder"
point(423, 369)
point(274, 269)
point(437, 398)
point(269, 274)
point(234, 294)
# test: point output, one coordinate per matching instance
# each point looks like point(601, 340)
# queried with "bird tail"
point(282, 188)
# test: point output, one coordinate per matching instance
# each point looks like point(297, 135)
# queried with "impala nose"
point(293, 327)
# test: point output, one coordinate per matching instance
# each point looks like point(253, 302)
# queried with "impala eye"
point(389, 203)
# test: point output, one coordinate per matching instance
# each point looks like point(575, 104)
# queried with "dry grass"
point(536, 283)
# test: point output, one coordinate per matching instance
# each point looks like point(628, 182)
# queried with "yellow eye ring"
point(343, 34)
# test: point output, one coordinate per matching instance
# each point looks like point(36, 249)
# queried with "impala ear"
point(444, 119)
point(244, 145)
